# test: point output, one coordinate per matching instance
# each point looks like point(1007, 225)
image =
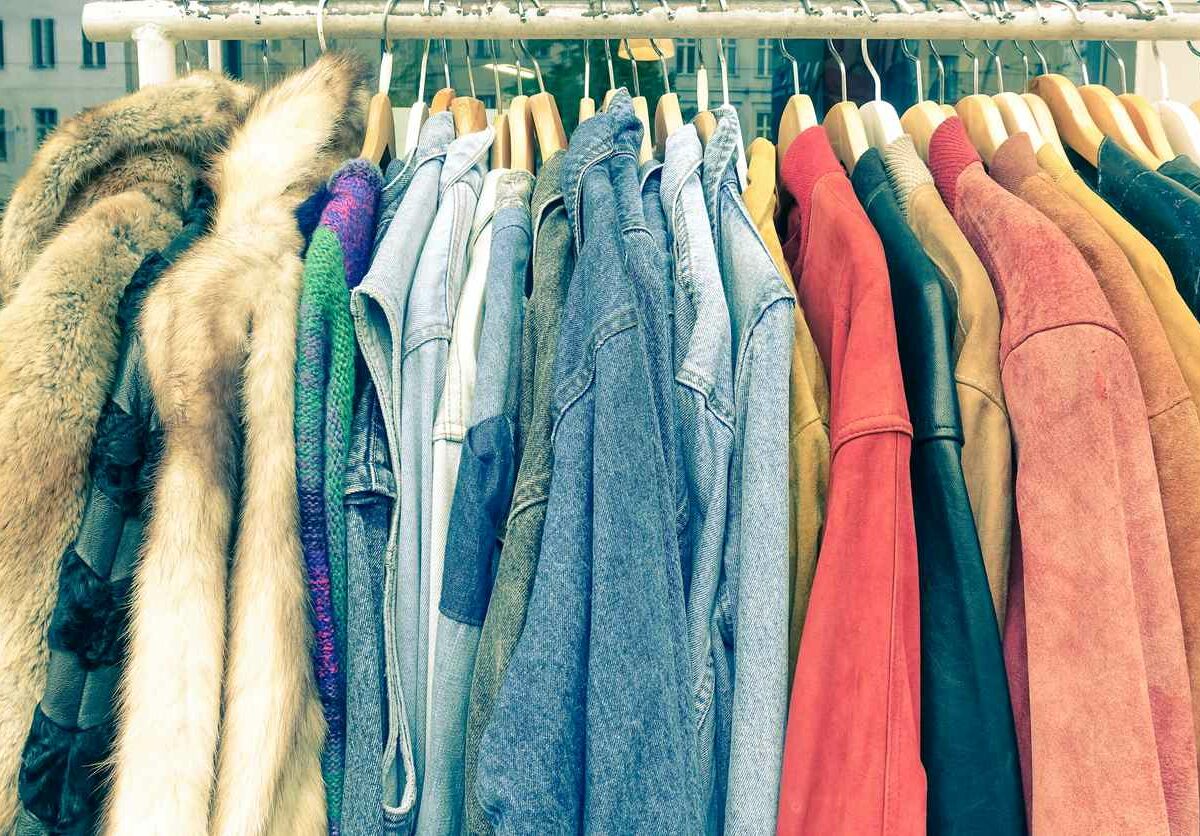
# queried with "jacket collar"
point(193, 117)
point(616, 131)
point(683, 158)
point(950, 154)
point(719, 154)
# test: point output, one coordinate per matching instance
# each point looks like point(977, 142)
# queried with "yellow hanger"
point(1145, 118)
point(547, 123)
point(923, 118)
point(522, 150)
point(379, 141)
point(798, 114)
point(442, 98)
point(705, 122)
point(980, 117)
point(843, 125)
point(668, 116)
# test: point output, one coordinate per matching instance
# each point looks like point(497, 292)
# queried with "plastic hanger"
point(798, 114)
point(1014, 110)
point(1143, 114)
point(640, 108)
point(843, 125)
point(923, 118)
point(1180, 123)
point(1111, 117)
point(379, 142)
point(523, 154)
point(705, 122)
point(501, 142)
point(587, 105)
point(419, 111)
point(442, 98)
point(1037, 105)
point(980, 117)
point(470, 116)
point(879, 118)
point(668, 116)
point(547, 123)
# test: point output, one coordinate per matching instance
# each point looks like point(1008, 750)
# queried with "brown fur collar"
point(219, 671)
point(192, 117)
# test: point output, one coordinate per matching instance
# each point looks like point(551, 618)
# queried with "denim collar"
point(648, 170)
point(547, 189)
point(463, 155)
point(683, 158)
point(514, 189)
point(436, 135)
point(720, 156)
point(616, 131)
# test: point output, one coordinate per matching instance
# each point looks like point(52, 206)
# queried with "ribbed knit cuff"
point(905, 169)
point(950, 152)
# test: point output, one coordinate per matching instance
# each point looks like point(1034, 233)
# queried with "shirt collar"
point(683, 157)
point(720, 156)
point(465, 154)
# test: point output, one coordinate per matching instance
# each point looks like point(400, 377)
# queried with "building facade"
point(48, 73)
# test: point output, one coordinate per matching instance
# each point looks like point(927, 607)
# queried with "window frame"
point(95, 54)
point(685, 56)
point(762, 125)
point(1, 44)
point(764, 69)
point(42, 128)
point(43, 38)
point(3, 135)
point(731, 56)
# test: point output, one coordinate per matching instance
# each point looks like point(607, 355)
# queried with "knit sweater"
point(335, 263)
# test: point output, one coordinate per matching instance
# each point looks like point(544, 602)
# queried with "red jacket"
point(1090, 687)
point(851, 761)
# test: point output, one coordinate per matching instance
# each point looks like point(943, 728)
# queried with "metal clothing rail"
point(156, 25)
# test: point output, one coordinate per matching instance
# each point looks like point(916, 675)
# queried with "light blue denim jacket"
point(439, 277)
point(379, 306)
point(752, 600)
point(466, 576)
point(592, 729)
point(704, 380)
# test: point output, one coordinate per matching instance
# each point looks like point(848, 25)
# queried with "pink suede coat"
point(1089, 688)
point(851, 761)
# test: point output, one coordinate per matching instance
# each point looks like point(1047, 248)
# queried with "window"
point(685, 55)
point(94, 56)
point(731, 56)
point(1, 44)
point(762, 124)
point(42, 29)
point(763, 70)
point(45, 120)
point(3, 139)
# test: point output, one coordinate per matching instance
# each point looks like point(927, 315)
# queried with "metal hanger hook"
point(841, 65)
point(974, 67)
point(1111, 50)
point(1024, 64)
point(941, 70)
point(587, 69)
point(864, 9)
point(916, 60)
point(995, 53)
point(795, 66)
point(866, 54)
point(721, 60)
point(537, 68)
point(637, 86)
point(387, 12)
point(496, 76)
point(446, 61)
point(1083, 67)
point(320, 24)
point(470, 69)
point(662, 63)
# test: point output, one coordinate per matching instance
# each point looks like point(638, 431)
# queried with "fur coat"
point(219, 728)
point(105, 189)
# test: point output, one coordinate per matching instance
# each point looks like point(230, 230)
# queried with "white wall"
point(68, 87)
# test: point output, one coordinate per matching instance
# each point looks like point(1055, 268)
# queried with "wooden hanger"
point(1072, 120)
point(441, 100)
point(1045, 121)
point(1018, 118)
point(919, 122)
point(543, 109)
point(641, 109)
point(1113, 121)
point(379, 141)
point(523, 154)
point(587, 105)
point(843, 125)
point(1148, 123)
point(798, 113)
point(980, 117)
point(501, 141)
point(470, 115)
point(668, 115)
point(879, 118)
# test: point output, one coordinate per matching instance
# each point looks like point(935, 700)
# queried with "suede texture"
point(1183, 331)
point(1090, 534)
point(808, 426)
point(987, 441)
point(856, 698)
point(1175, 438)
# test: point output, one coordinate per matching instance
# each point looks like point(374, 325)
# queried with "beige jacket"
point(220, 729)
point(987, 449)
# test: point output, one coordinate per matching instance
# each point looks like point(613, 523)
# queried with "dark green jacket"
point(968, 740)
point(1182, 170)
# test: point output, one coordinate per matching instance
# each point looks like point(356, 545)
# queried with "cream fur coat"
point(104, 190)
point(220, 729)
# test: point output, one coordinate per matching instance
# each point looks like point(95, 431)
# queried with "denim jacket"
point(432, 301)
point(704, 381)
point(379, 307)
point(553, 261)
point(595, 707)
point(752, 601)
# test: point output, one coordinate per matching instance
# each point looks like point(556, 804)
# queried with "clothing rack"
point(156, 25)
